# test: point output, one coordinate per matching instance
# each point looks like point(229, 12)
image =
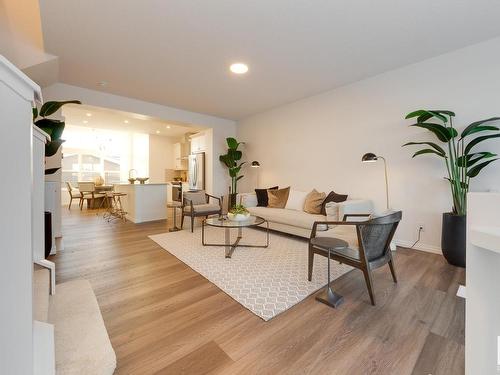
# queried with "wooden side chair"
point(374, 238)
point(197, 204)
point(88, 191)
point(73, 194)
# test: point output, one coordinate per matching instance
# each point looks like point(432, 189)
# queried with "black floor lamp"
point(256, 164)
point(371, 158)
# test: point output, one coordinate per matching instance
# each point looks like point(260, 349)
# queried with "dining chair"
point(88, 191)
point(73, 192)
point(371, 250)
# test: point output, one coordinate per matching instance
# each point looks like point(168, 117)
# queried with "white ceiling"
point(177, 52)
point(103, 118)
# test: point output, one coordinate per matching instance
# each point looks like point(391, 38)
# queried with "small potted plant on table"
point(238, 213)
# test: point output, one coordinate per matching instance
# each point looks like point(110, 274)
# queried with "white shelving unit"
point(18, 201)
point(482, 323)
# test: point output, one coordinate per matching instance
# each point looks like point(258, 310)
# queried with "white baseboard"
point(420, 246)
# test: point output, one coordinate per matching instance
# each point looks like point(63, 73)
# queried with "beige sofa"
point(300, 223)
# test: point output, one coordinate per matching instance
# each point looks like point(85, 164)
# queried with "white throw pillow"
point(332, 211)
point(296, 200)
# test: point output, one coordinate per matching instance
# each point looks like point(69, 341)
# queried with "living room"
point(343, 218)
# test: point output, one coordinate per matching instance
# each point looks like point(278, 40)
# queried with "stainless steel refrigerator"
point(196, 171)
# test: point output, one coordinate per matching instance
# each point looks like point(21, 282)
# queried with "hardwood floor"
point(164, 318)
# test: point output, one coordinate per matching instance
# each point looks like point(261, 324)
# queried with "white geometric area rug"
point(267, 281)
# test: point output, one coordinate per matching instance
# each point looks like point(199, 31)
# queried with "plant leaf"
point(474, 171)
point(470, 128)
point(472, 159)
point(234, 154)
point(49, 108)
point(424, 115)
point(54, 128)
point(232, 143)
point(477, 140)
point(443, 133)
point(51, 170)
point(478, 129)
point(52, 147)
point(433, 145)
point(239, 178)
point(427, 151)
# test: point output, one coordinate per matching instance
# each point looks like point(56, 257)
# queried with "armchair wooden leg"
point(70, 200)
point(310, 264)
point(81, 203)
point(182, 220)
point(393, 270)
point(192, 223)
point(369, 285)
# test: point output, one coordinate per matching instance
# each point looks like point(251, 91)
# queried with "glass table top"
point(226, 223)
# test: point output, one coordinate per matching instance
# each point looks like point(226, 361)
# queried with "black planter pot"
point(453, 238)
point(232, 201)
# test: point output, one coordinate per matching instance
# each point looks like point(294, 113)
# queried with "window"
point(89, 153)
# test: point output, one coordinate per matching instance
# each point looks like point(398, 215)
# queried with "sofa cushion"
point(296, 200)
point(333, 197)
point(262, 199)
point(314, 202)
point(295, 218)
point(278, 198)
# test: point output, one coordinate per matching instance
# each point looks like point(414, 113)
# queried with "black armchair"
point(197, 204)
point(373, 250)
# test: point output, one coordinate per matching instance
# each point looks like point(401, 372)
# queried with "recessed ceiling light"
point(168, 126)
point(89, 114)
point(125, 121)
point(157, 132)
point(85, 121)
point(239, 68)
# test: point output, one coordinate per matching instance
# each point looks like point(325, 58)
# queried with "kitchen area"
point(183, 165)
point(149, 161)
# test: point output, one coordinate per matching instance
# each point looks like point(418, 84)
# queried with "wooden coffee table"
point(227, 225)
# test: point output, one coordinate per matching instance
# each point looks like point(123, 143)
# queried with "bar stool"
point(115, 209)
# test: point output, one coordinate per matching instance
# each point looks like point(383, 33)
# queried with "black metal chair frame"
point(186, 202)
point(364, 264)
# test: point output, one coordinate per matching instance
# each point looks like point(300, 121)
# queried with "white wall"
point(221, 128)
point(318, 142)
point(161, 156)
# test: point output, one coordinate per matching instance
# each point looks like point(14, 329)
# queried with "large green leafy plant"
point(231, 160)
point(459, 153)
point(52, 127)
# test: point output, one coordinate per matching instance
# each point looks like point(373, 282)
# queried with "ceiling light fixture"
point(157, 132)
point(89, 114)
point(238, 68)
point(168, 126)
point(125, 121)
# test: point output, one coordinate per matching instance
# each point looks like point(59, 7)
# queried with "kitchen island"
point(144, 202)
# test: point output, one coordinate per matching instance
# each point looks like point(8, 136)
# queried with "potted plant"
point(52, 127)
point(238, 213)
point(231, 159)
point(463, 162)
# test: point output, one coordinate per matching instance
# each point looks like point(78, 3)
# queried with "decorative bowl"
point(238, 217)
point(131, 180)
point(142, 180)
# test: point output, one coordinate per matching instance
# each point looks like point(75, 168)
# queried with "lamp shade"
point(255, 164)
point(369, 158)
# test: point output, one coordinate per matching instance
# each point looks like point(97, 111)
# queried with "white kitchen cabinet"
point(198, 142)
point(180, 154)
